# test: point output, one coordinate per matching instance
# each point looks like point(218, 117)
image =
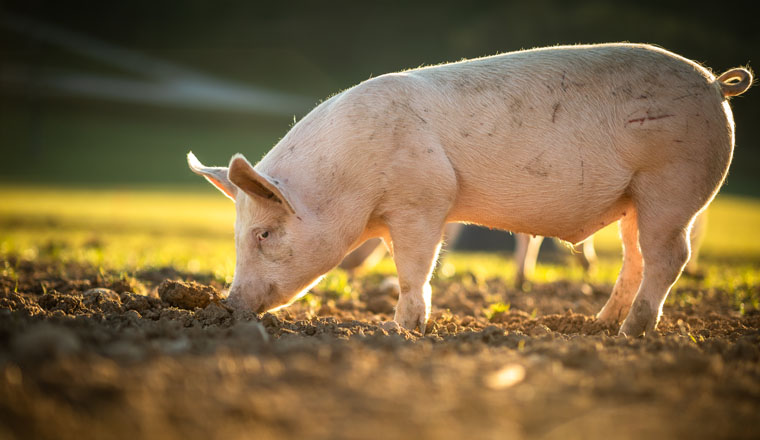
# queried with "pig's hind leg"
point(629, 278)
point(666, 210)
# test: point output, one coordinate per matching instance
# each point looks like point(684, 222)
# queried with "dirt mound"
point(190, 295)
point(110, 356)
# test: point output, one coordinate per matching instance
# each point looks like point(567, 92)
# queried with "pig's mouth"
point(270, 299)
point(258, 304)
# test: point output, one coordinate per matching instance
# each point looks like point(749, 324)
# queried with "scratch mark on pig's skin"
point(419, 117)
point(678, 98)
point(565, 83)
point(647, 118)
point(554, 112)
point(582, 174)
point(411, 110)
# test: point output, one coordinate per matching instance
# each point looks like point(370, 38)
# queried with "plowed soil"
point(86, 354)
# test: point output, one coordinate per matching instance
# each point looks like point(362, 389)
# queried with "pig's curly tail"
point(735, 81)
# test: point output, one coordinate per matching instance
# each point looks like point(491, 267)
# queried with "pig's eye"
point(262, 235)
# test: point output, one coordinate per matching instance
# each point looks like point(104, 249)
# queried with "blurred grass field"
point(191, 230)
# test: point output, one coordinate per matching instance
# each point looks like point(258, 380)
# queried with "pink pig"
point(557, 141)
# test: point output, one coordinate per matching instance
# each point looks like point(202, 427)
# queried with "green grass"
point(192, 231)
point(121, 229)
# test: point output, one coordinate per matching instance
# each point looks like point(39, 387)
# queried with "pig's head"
point(276, 249)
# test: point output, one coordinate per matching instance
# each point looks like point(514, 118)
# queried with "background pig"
point(557, 142)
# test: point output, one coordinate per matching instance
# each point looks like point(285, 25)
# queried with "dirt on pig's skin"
point(97, 356)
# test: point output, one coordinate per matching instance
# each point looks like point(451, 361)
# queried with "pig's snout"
point(239, 300)
point(247, 299)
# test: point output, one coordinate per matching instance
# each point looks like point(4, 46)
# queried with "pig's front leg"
point(415, 248)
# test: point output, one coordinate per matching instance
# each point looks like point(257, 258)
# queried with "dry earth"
point(91, 355)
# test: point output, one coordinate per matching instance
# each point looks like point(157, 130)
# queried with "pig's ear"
point(256, 184)
point(216, 175)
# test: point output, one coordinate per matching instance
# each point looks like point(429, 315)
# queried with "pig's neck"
point(330, 177)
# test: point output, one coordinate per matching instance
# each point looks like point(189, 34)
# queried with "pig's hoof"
point(612, 314)
point(413, 323)
point(642, 319)
point(412, 314)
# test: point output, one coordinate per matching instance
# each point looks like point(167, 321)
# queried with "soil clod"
point(186, 295)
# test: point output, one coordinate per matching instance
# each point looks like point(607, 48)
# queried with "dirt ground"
point(86, 354)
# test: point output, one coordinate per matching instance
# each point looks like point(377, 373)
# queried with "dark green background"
point(311, 49)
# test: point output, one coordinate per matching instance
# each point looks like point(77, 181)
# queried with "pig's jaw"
point(298, 295)
point(271, 301)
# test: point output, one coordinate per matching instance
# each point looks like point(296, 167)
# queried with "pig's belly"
point(568, 202)
point(573, 227)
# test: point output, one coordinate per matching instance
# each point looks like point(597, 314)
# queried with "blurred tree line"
point(309, 49)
